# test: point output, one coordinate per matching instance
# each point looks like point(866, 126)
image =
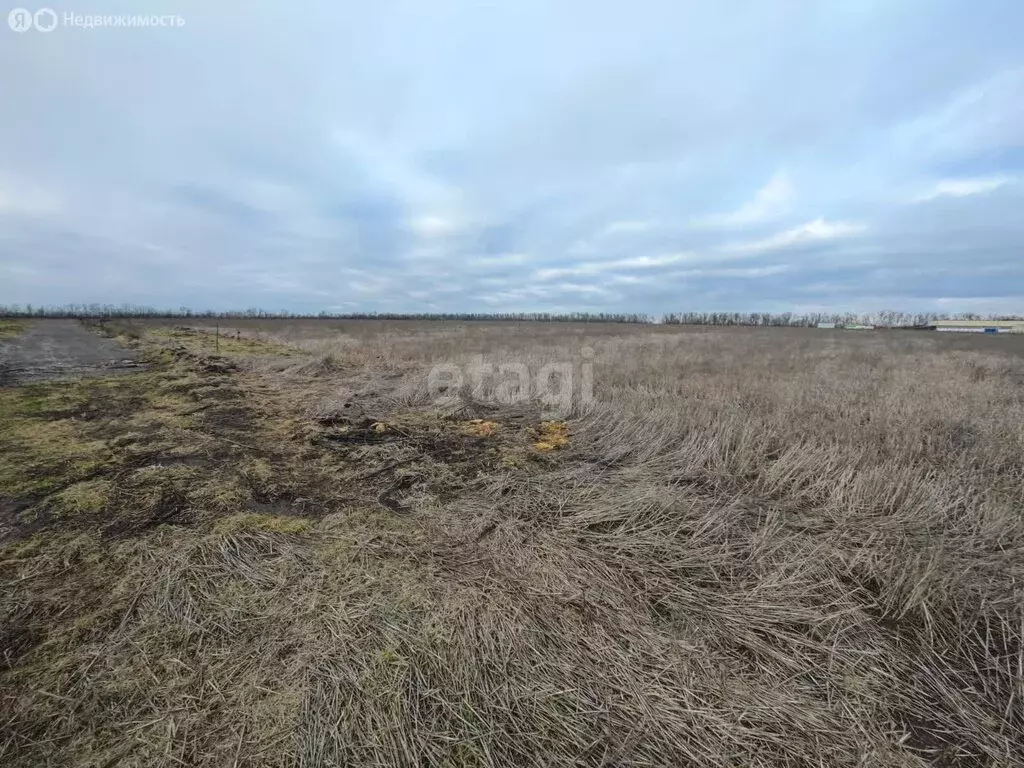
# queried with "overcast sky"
point(423, 155)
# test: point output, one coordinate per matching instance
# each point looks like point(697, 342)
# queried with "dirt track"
point(61, 349)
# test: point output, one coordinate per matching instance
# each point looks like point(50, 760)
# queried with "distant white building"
point(826, 325)
point(980, 326)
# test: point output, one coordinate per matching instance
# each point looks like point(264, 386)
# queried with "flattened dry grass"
point(756, 549)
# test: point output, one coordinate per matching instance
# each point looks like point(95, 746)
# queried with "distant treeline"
point(101, 311)
point(886, 319)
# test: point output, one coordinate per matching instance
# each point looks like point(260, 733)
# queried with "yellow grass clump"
point(551, 436)
point(481, 427)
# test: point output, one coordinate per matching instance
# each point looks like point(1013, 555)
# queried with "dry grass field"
point(751, 547)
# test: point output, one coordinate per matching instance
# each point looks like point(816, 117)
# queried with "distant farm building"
point(980, 326)
point(826, 325)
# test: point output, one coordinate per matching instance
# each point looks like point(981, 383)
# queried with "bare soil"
point(61, 349)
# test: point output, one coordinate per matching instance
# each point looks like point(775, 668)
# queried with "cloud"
point(23, 196)
point(597, 267)
point(770, 201)
point(432, 226)
point(817, 230)
point(964, 187)
point(732, 272)
point(627, 227)
point(503, 260)
point(641, 262)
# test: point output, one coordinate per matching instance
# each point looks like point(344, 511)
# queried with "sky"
point(537, 155)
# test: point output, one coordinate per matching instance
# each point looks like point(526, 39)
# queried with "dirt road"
point(61, 349)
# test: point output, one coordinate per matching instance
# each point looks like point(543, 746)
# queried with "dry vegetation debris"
point(758, 549)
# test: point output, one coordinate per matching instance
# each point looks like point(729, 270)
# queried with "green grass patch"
point(128, 453)
point(47, 400)
point(11, 328)
point(43, 455)
point(89, 497)
point(59, 437)
point(226, 343)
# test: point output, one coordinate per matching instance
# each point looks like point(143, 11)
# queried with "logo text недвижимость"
point(47, 20)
